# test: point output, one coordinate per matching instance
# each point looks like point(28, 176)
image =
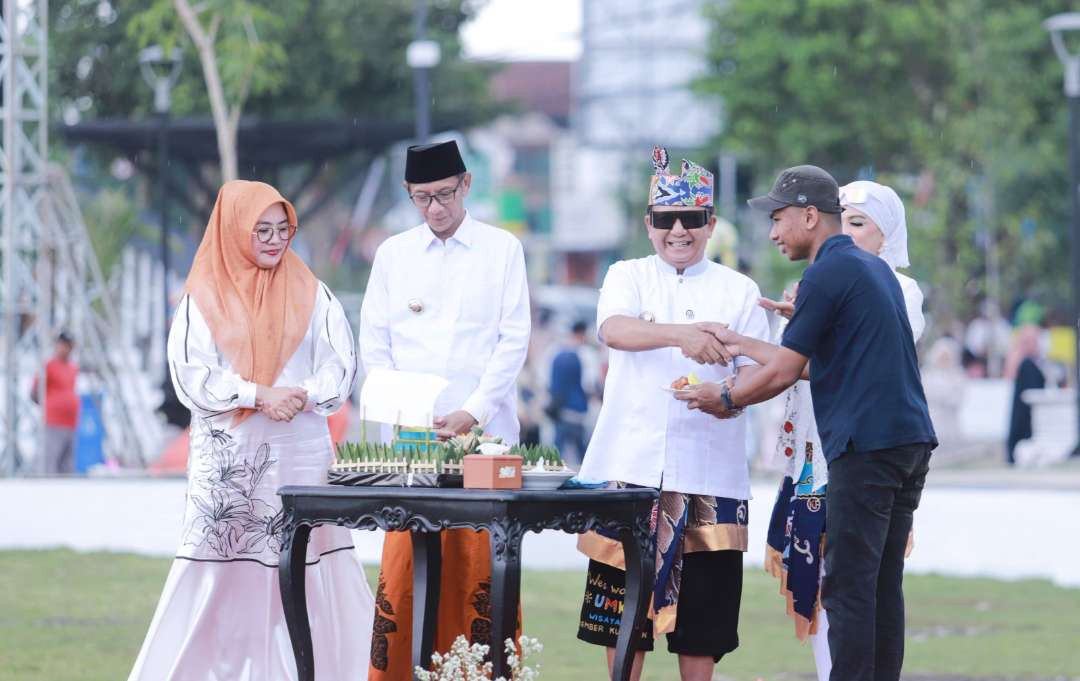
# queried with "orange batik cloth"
point(464, 600)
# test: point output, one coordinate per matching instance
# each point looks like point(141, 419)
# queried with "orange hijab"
point(257, 317)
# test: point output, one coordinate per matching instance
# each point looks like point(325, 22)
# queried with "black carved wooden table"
point(506, 515)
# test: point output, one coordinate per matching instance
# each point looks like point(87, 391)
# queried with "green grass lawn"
point(67, 616)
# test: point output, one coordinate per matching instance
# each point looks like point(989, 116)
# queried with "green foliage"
point(958, 105)
point(531, 455)
point(440, 454)
point(93, 67)
point(808, 80)
point(377, 456)
point(250, 39)
point(356, 452)
point(112, 220)
point(356, 64)
point(313, 59)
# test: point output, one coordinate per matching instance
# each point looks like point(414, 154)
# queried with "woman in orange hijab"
point(261, 353)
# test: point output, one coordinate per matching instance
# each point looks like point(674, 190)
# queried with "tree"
point(260, 58)
point(957, 104)
point(320, 59)
point(93, 65)
point(240, 46)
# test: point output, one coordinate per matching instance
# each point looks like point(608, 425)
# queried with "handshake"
point(280, 404)
point(715, 343)
point(710, 343)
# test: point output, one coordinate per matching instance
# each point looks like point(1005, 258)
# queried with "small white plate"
point(674, 391)
point(544, 479)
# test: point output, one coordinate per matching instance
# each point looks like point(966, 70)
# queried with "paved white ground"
point(995, 531)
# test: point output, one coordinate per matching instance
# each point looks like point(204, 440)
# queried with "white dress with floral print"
point(220, 617)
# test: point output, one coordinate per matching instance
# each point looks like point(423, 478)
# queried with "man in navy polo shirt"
point(850, 329)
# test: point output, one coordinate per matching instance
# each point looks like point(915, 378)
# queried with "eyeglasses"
point(423, 200)
point(264, 232)
point(690, 219)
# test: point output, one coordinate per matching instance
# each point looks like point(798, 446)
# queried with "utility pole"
point(161, 71)
point(422, 55)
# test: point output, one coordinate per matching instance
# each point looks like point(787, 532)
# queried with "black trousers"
point(706, 618)
point(871, 499)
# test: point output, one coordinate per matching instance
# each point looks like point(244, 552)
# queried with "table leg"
point(640, 565)
point(505, 590)
point(427, 570)
point(291, 581)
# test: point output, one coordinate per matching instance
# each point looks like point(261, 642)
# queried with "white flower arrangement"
point(466, 663)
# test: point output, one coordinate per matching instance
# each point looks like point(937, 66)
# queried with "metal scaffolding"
point(80, 301)
point(23, 78)
point(49, 274)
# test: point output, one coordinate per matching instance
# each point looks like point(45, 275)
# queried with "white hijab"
point(884, 207)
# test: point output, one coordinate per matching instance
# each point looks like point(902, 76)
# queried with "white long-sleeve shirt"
point(913, 300)
point(644, 435)
point(458, 309)
point(324, 364)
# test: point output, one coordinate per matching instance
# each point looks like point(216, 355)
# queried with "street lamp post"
point(422, 55)
point(161, 70)
point(1058, 25)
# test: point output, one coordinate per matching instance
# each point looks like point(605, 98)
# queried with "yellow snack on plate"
point(693, 379)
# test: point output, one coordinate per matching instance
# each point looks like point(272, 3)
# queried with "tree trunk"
point(225, 125)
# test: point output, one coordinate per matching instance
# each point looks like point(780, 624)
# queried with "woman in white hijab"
point(873, 217)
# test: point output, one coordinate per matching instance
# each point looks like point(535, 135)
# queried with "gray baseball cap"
point(801, 186)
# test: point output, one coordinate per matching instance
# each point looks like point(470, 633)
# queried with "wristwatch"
point(725, 398)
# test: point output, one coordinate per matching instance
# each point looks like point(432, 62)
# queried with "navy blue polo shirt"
point(850, 320)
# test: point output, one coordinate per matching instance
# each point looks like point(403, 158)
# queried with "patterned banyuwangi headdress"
point(694, 187)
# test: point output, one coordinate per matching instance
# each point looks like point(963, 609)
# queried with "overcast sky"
point(525, 30)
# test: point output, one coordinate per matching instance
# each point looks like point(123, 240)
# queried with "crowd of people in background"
point(560, 386)
point(1028, 348)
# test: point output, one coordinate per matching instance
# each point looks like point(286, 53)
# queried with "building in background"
point(566, 168)
point(632, 90)
point(540, 92)
point(633, 82)
point(512, 160)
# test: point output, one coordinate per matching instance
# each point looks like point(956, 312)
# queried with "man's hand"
point(280, 404)
point(706, 397)
point(703, 347)
point(455, 423)
point(729, 340)
point(786, 307)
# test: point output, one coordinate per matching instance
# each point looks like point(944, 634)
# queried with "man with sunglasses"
point(448, 297)
point(648, 315)
point(850, 335)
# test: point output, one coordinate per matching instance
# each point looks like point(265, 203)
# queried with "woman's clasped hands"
point(281, 403)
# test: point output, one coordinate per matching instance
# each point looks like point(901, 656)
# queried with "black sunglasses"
point(690, 219)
